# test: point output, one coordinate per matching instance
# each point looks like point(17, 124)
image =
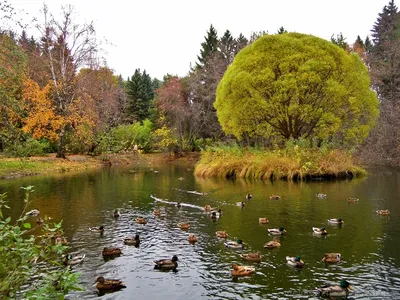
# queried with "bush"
point(28, 148)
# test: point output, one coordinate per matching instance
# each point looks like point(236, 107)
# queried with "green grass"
point(289, 164)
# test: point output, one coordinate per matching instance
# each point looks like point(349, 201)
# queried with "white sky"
point(164, 36)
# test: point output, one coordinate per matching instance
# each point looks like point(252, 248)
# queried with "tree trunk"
point(61, 144)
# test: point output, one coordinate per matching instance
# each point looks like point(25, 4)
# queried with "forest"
point(58, 96)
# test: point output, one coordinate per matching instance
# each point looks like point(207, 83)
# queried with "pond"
point(368, 243)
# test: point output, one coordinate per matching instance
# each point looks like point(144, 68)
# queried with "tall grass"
point(291, 163)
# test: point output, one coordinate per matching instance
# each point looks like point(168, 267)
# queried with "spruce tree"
point(209, 46)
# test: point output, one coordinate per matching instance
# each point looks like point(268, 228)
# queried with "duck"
point(256, 257)
point(184, 226)
point(132, 241)
point(334, 291)
point(336, 221)
point(242, 270)
point(273, 244)
point(157, 212)
point(331, 258)
point(116, 214)
point(192, 238)
point(320, 231)
point(166, 264)
point(216, 214)
point(72, 260)
point(221, 234)
point(97, 229)
point(352, 200)
point(141, 221)
point(249, 196)
point(263, 220)
point(294, 261)
point(109, 284)
point(111, 251)
point(61, 240)
point(178, 204)
point(241, 204)
point(321, 195)
point(383, 212)
point(277, 231)
point(33, 213)
point(274, 197)
point(207, 207)
point(235, 245)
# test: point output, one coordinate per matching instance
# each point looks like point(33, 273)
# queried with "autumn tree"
point(295, 85)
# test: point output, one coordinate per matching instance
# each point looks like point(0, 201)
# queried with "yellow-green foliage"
point(295, 163)
point(295, 85)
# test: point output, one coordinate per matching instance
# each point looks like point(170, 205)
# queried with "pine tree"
point(209, 46)
point(281, 30)
point(340, 40)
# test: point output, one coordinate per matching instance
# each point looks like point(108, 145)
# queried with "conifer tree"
point(209, 46)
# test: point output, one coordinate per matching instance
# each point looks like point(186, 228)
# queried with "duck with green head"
point(72, 260)
point(277, 231)
point(319, 231)
point(166, 264)
point(235, 245)
point(335, 291)
point(295, 261)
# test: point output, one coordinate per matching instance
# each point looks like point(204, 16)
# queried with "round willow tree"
point(295, 85)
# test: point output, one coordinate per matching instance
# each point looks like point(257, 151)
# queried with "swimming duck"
point(242, 270)
point(72, 260)
point(263, 220)
point(109, 284)
point(273, 244)
point(277, 231)
point(221, 234)
point(249, 196)
point(207, 207)
point(352, 200)
point(157, 212)
point(192, 238)
point(33, 213)
point(216, 214)
point(141, 220)
point(166, 264)
point(178, 204)
point(256, 257)
point(336, 221)
point(184, 226)
point(111, 251)
point(132, 241)
point(321, 195)
point(116, 213)
point(274, 197)
point(332, 291)
point(241, 204)
point(235, 245)
point(61, 240)
point(321, 231)
point(331, 258)
point(295, 261)
point(383, 212)
point(97, 229)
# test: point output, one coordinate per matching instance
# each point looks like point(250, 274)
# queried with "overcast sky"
point(164, 36)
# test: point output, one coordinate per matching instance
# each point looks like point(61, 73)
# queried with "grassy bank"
point(289, 164)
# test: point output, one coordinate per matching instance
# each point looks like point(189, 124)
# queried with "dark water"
point(369, 243)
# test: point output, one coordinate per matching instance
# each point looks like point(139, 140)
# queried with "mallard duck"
point(352, 200)
point(141, 221)
point(61, 240)
point(192, 238)
point(294, 261)
point(157, 212)
point(277, 231)
point(97, 229)
point(184, 226)
point(207, 207)
point(166, 264)
point(178, 204)
point(336, 221)
point(221, 234)
point(242, 270)
point(332, 291)
point(256, 257)
point(273, 244)
point(132, 241)
point(73, 259)
point(249, 196)
point(274, 197)
point(263, 220)
point(321, 231)
point(33, 213)
point(321, 195)
point(331, 258)
point(109, 284)
point(111, 251)
point(116, 213)
point(241, 204)
point(383, 212)
point(235, 245)
point(215, 214)
point(39, 221)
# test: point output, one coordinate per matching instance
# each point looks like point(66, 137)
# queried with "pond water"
point(368, 243)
